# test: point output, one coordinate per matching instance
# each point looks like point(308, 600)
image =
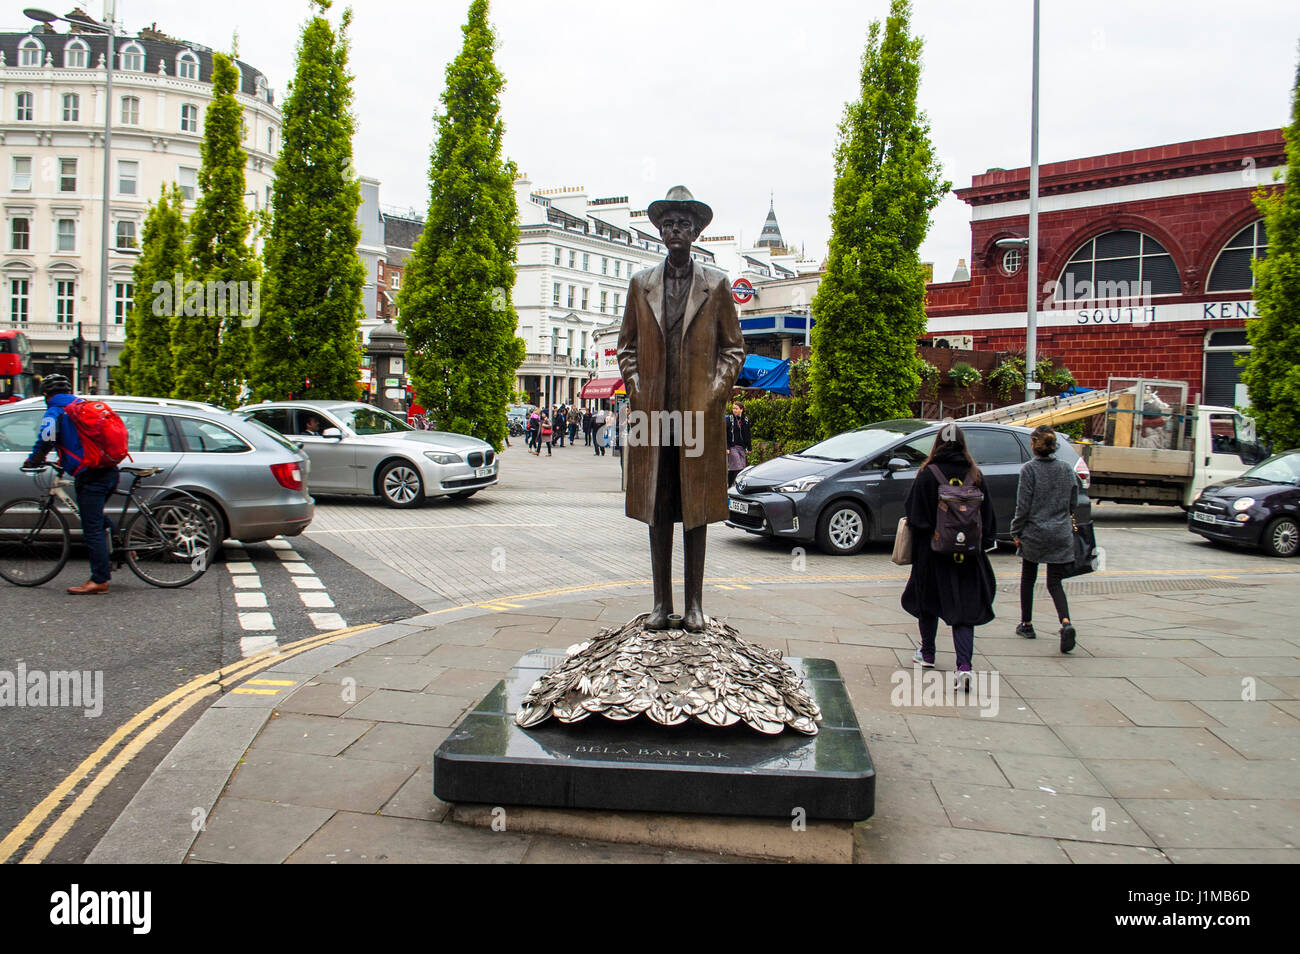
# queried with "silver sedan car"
point(359, 449)
point(252, 482)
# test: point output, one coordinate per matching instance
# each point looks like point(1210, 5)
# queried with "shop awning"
point(600, 389)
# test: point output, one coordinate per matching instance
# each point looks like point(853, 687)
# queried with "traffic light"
point(76, 350)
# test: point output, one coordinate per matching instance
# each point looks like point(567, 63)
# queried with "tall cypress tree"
point(146, 366)
point(211, 349)
point(870, 307)
point(314, 281)
point(455, 306)
point(1272, 367)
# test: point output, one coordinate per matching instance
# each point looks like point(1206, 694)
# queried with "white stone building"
point(52, 102)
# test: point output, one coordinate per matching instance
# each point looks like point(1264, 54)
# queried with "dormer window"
point(30, 52)
point(75, 54)
point(187, 66)
point(132, 58)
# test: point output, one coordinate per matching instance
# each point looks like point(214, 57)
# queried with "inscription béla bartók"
point(649, 753)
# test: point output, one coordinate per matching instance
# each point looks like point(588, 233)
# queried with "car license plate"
point(1211, 518)
point(737, 506)
point(483, 472)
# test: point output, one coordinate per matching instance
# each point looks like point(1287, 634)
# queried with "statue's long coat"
point(712, 352)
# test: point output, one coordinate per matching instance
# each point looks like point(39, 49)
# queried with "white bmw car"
point(359, 449)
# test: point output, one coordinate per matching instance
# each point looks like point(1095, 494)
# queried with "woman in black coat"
point(739, 442)
point(942, 586)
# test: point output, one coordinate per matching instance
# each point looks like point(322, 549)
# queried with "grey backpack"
point(957, 527)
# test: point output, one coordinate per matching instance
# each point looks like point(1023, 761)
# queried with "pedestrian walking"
point(558, 426)
point(599, 435)
point(1043, 529)
point(532, 441)
point(545, 434)
point(95, 475)
point(956, 588)
point(586, 427)
point(738, 442)
point(574, 414)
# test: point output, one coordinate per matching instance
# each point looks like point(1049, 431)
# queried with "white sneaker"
point(918, 658)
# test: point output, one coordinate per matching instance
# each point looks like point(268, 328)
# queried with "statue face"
point(678, 230)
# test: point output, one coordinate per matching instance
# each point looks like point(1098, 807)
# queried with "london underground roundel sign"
point(742, 291)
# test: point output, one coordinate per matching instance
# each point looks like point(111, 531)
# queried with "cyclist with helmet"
point(93, 487)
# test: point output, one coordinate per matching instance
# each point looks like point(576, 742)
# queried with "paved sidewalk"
point(1171, 734)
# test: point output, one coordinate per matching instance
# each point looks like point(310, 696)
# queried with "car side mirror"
point(896, 464)
point(332, 432)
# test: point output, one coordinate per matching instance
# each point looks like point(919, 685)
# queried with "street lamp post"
point(105, 287)
point(1030, 243)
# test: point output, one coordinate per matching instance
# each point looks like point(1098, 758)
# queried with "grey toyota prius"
point(849, 489)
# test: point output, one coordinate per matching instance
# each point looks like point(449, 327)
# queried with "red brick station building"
point(1144, 262)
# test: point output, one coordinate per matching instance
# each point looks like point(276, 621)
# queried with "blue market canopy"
point(770, 374)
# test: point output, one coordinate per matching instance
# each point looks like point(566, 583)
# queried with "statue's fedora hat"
point(679, 197)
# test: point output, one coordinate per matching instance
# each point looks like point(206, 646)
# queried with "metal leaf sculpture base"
point(671, 676)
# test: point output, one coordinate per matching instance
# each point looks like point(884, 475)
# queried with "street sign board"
point(741, 291)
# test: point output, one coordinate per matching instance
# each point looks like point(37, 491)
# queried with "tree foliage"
point(146, 366)
point(314, 281)
point(455, 303)
point(870, 307)
point(211, 348)
point(1271, 369)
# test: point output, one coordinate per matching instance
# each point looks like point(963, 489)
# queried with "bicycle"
point(167, 543)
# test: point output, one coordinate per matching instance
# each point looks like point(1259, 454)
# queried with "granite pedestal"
point(640, 766)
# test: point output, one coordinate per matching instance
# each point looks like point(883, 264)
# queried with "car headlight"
point(1243, 503)
point(801, 485)
point(442, 457)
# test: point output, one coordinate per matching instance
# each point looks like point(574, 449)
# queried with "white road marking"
point(327, 620)
point(250, 600)
point(248, 645)
point(433, 526)
point(256, 621)
point(288, 555)
point(245, 582)
point(278, 544)
point(302, 568)
point(316, 599)
point(240, 567)
point(307, 582)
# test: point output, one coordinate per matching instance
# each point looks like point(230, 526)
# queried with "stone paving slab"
point(251, 831)
point(1043, 814)
point(352, 838)
point(1184, 823)
point(890, 842)
point(295, 778)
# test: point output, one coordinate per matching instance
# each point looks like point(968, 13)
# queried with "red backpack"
point(103, 435)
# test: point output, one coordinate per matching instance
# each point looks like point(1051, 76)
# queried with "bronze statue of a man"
point(679, 350)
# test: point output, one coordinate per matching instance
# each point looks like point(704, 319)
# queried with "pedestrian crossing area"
point(258, 602)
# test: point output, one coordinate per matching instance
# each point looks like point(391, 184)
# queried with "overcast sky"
point(739, 99)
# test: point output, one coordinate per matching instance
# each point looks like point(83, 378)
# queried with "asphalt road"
point(141, 642)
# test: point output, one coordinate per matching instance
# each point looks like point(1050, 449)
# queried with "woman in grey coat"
point(1043, 529)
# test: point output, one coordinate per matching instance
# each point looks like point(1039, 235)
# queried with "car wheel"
point(465, 494)
point(400, 485)
point(1282, 537)
point(215, 520)
point(842, 529)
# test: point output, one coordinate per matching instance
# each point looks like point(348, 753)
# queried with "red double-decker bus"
point(16, 381)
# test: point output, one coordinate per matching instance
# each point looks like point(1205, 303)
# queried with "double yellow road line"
point(133, 736)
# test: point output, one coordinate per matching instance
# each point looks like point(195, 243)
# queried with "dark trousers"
point(963, 639)
point(586, 436)
point(93, 488)
point(1029, 576)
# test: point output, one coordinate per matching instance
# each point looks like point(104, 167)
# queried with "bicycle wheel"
point(169, 545)
point(34, 542)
